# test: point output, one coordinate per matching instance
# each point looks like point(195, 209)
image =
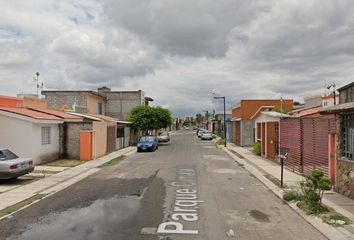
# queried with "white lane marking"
point(185, 206)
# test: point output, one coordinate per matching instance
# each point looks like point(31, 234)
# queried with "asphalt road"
point(187, 189)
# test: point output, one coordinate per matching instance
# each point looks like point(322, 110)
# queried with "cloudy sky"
point(178, 51)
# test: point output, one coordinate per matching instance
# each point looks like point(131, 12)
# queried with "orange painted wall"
point(22, 102)
point(92, 103)
point(10, 102)
point(236, 112)
point(86, 145)
point(34, 103)
point(249, 107)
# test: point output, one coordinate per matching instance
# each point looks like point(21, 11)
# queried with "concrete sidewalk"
point(59, 181)
point(263, 168)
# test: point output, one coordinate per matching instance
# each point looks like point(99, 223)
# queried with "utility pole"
point(224, 116)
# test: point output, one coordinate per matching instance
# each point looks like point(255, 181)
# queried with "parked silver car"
point(207, 135)
point(12, 166)
point(163, 137)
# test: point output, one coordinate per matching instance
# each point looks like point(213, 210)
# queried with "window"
point(7, 155)
point(348, 136)
point(100, 108)
point(45, 135)
point(120, 132)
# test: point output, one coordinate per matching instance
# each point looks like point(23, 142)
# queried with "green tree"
point(163, 116)
point(145, 118)
point(199, 118)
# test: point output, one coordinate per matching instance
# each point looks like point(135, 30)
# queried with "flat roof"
point(103, 117)
point(74, 91)
point(343, 107)
point(96, 117)
point(10, 97)
point(345, 86)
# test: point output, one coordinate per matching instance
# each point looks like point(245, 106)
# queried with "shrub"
point(312, 207)
point(309, 199)
point(335, 219)
point(257, 148)
point(314, 187)
point(220, 142)
point(291, 195)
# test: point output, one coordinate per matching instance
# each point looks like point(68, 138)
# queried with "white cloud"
point(178, 50)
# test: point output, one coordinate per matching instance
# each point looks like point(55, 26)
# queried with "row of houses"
point(316, 135)
point(68, 124)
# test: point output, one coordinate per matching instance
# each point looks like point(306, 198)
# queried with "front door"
point(238, 133)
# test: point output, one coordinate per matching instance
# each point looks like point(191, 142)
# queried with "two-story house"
point(77, 101)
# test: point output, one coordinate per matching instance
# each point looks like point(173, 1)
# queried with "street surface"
point(187, 189)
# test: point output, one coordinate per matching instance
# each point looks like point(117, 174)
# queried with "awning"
point(235, 119)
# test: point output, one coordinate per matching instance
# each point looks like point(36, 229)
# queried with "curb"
point(328, 231)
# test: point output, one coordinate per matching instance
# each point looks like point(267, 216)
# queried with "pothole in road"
point(259, 216)
point(96, 221)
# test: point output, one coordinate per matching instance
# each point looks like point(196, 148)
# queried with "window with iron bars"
point(348, 136)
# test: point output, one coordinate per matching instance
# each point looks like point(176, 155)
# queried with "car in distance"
point(200, 132)
point(12, 166)
point(163, 137)
point(206, 136)
point(186, 128)
point(147, 143)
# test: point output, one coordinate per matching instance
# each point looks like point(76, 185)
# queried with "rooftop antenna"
point(39, 84)
point(333, 86)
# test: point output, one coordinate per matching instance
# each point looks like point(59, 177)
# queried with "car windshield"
point(7, 155)
point(147, 139)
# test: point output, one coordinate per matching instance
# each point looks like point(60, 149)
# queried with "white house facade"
point(28, 136)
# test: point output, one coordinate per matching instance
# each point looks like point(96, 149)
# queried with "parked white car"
point(200, 132)
point(12, 166)
point(207, 136)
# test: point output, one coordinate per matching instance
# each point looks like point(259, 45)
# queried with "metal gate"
point(290, 138)
point(308, 142)
point(316, 136)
